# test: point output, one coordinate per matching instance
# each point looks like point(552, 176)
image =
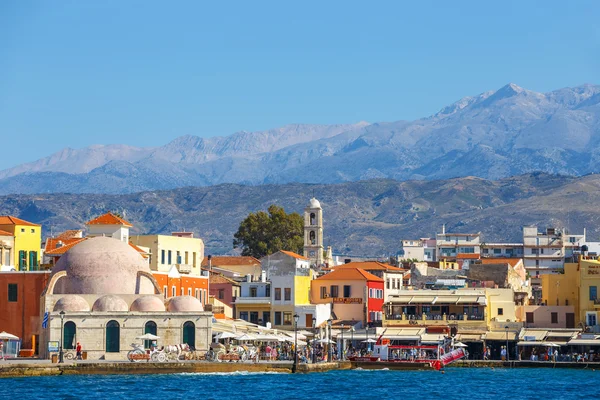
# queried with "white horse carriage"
point(154, 354)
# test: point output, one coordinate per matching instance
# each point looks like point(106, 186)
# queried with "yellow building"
point(180, 249)
point(578, 286)
point(27, 238)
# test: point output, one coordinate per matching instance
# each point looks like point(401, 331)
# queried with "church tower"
point(313, 232)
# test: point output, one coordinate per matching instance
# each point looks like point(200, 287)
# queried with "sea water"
point(454, 383)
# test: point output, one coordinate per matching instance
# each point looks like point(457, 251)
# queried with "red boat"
point(408, 357)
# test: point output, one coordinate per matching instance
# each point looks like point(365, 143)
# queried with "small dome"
point(314, 203)
point(110, 303)
point(147, 304)
point(71, 303)
point(102, 265)
point(184, 304)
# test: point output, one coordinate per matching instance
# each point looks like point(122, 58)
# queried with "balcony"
point(253, 300)
point(434, 317)
point(184, 268)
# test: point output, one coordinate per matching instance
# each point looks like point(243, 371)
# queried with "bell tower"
point(313, 232)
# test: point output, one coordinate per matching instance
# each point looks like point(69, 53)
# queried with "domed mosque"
point(107, 297)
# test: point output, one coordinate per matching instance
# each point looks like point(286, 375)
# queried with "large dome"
point(102, 265)
point(148, 304)
point(72, 303)
point(110, 303)
point(184, 304)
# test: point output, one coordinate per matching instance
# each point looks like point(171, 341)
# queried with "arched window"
point(311, 237)
point(113, 337)
point(313, 219)
point(189, 334)
point(70, 331)
point(150, 327)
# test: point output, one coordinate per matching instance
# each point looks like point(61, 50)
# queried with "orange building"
point(173, 284)
point(20, 305)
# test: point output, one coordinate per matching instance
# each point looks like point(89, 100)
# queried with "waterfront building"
point(224, 289)
point(290, 275)
point(109, 297)
point(354, 294)
point(545, 252)
point(25, 244)
point(501, 250)
point(254, 302)
point(313, 233)
point(20, 293)
point(577, 287)
point(547, 317)
point(393, 277)
point(450, 245)
point(234, 267)
point(180, 250)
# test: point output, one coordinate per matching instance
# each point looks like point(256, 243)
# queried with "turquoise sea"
point(455, 383)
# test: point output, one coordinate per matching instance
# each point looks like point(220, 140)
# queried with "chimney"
point(263, 276)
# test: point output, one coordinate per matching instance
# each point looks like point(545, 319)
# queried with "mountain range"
point(493, 135)
point(366, 218)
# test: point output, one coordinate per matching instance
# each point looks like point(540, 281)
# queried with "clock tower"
point(313, 232)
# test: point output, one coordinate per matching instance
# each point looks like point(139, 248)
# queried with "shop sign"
point(347, 300)
point(593, 270)
point(52, 346)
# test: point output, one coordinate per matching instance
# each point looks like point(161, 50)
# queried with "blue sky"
point(75, 73)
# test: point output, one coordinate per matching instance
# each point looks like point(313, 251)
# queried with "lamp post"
point(507, 352)
point(329, 352)
point(352, 338)
point(314, 350)
point(62, 332)
point(343, 345)
point(367, 337)
point(296, 316)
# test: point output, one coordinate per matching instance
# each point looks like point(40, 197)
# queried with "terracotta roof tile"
point(70, 234)
point(109, 219)
point(4, 233)
point(512, 261)
point(222, 279)
point(230, 260)
point(292, 254)
point(10, 220)
point(350, 274)
point(143, 253)
point(52, 250)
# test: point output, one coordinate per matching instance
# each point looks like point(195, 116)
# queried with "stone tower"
point(313, 232)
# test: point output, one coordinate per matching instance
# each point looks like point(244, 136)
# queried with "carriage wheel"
point(154, 357)
point(244, 357)
point(218, 356)
point(69, 356)
point(161, 357)
point(138, 355)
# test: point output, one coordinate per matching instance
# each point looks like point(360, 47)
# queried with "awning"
point(554, 334)
point(529, 335)
point(500, 336)
point(468, 337)
point(404, 334)
point(467, 299)
point(538, 343)
point(432, 338)
point(583, 342)
point(400, 300)
point(422, 300)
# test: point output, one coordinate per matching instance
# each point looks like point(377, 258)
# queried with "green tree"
point(261, 233)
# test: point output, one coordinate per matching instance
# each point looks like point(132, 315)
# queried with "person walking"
point(78, 351)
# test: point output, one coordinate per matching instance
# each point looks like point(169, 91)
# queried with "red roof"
point(350, 274)
point(230, 260)
point(52, 250)
point(10, 220)
point(109, 219)
point(370, 266)
point(468, 256)
point(4, 233)
point(70, 234)
point(512, 261)
point(222, 279)
point(292, 254)
point(143, 253)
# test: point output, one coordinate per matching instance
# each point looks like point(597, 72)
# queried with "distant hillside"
point(361, 218)
point(496, 134)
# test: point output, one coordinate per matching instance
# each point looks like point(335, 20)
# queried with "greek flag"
point(45, 320)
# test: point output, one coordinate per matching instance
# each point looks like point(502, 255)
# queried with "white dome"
point(71, 303)
point(314, 203)
point(110, 303)
point(184, 304)
point(102, 265)
point(147, 304)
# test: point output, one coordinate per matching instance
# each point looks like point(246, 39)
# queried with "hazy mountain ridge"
point(362, 218)
point(492, 135)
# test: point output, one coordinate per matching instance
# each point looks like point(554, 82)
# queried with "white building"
point(450, 245)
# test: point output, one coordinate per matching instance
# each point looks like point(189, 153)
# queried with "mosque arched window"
point(189, 334)
point(313, 219)
point(150, 327)
point(70, 331)
point(113, 337)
